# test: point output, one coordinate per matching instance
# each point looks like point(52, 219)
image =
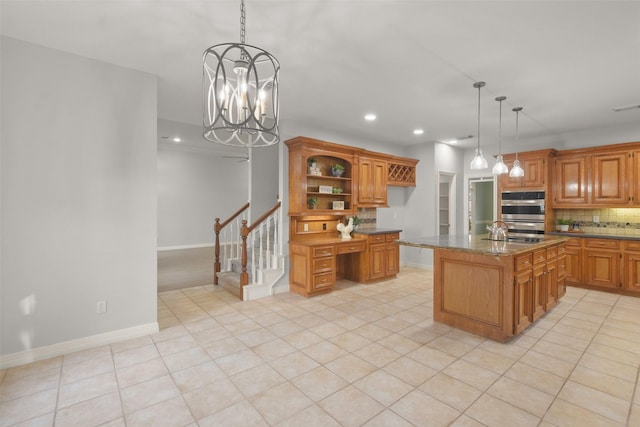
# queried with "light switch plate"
point(596, 218)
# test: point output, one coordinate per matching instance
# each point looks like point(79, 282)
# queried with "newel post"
point(216, 263)
point(244, 276)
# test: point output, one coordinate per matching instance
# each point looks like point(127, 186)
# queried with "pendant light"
point(240, 93)
point(516, 170)
point(499, 168)
point(479, 162)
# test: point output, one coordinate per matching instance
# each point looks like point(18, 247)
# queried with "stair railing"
point(263, 235)
point(231, 243)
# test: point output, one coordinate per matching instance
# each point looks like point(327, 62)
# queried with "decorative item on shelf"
point(563, 224)
point(325, 189)
point(516, 170)
point(499, 168)
point(338, 205)
point(312, 202)
point(337, 170)
point(479, 162)
point(240, 93)
point(345, 230)
point(356, 221)
point(336, 190)
point(313, 167)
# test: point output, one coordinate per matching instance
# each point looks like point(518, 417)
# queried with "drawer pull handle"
point(601, 243)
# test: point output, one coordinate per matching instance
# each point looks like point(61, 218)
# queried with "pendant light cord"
point(479, 86)
point(243, 19)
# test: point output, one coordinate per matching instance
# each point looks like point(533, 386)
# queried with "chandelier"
point(499, 168)
point(479, 162)
point(240, 93)
point(516, 170)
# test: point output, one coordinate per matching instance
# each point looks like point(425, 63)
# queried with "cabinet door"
point(377, 255)
point(632, 271)
point(393, 260)
point(634, 173)
point(603, 268)
point(608, 179)
point(539, 291)
point(551, 299)
point(570, 181)
point(372, 185)
point(534, 172)
point(522, 299)
point(562, 275)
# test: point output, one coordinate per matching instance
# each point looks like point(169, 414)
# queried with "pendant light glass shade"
point(516, 170)
point(479, 162)
point(499, 168)
point(240, 93)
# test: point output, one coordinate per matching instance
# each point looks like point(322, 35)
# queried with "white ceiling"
point(413, 63)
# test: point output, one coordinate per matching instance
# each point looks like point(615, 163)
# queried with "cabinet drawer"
point(377, 238)
point(321, 251)
point(562, 249)
point(321, 281)
point(539, 256)
point(574, 241)
point(523, 262)
point(392, 237)
point(347, 248)
point(632, 245)
point(602, 243)
point(322, 265)
point(552, 252)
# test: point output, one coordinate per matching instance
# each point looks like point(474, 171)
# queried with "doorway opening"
point(481, 204)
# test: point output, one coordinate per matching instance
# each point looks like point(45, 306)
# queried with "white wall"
point(78, 217)
point(195, 186)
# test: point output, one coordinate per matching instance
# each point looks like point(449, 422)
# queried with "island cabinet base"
point(496, 296)
point(474, 292)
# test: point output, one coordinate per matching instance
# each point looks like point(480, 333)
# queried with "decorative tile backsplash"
point(368, 218)
point(612, 221)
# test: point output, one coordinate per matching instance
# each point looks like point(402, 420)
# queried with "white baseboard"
point(67, 347)
point(196, 246)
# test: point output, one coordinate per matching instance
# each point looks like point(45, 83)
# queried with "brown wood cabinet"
point(573, 261)
point(536, 173)
point(384, 256)
point(372, 182)
point(607, 264)
point(562, 271)
point(493, 296)
point(314, 265)
point(632, 266)
point(570, 181)
point(607, 176)
point(602, 257)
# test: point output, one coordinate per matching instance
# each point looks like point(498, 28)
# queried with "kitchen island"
point(495, 289)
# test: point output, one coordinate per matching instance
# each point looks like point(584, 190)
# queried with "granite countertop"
point(377, 231)
point(479, 244)
point(593, 235)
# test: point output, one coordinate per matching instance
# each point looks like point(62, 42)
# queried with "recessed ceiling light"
point(370, 117)
point(176, 139)
point(418, 132)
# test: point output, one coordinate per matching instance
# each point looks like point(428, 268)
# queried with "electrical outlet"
point(596, 218)
point(306, 227)
point(101, 307)
point(324, 226)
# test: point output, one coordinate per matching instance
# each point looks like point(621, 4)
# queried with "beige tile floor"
point(363, 355)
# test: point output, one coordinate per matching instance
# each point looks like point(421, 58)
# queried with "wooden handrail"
point(263, 217)
point(217, 228)
point(232, 217)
